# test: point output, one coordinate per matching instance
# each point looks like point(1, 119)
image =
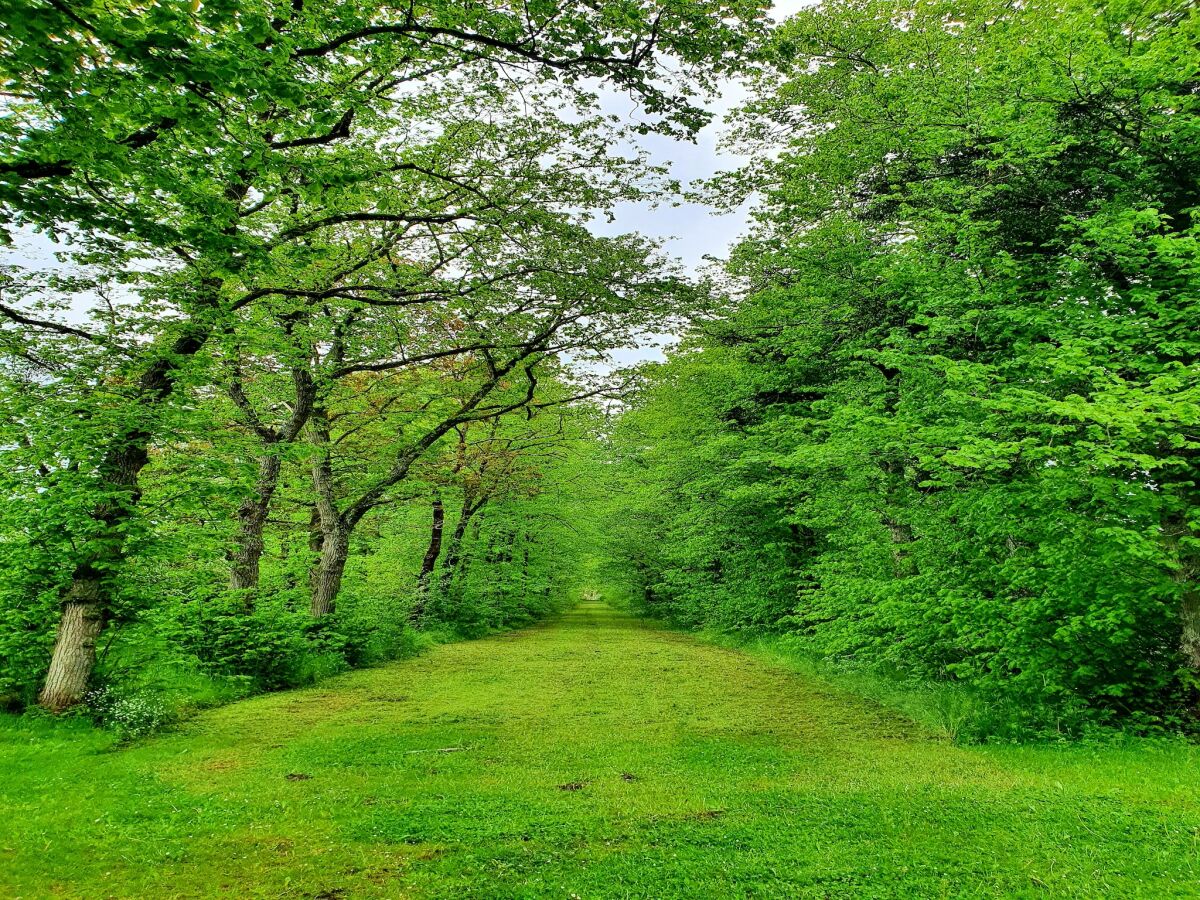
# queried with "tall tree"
point(576, 294)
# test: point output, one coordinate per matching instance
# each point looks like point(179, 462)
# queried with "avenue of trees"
point(319, 265)
point(305, 340)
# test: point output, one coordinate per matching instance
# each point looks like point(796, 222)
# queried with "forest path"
point(594, 756)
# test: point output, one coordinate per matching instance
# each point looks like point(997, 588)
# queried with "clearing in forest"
point(595, 756)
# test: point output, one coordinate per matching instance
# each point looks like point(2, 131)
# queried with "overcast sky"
point(690, 231)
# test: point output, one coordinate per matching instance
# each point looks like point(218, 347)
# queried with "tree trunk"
point(901, 533)
point(327, 577)
point(1189, 607)
point(340, 523)
point(454, 547)
point(1191, 628)
point(334, 533)
point(1187, 572)
point(247, 552)
point(429, 563)
point(315, 537)
point(86, 602)
point(75, 646)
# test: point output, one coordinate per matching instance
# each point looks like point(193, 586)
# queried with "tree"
point(577, 294)
point(223, 148)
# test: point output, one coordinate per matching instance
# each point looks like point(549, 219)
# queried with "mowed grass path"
point(595, 756)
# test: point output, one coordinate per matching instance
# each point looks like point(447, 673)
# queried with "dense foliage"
point(952, 429)
point(286, 327)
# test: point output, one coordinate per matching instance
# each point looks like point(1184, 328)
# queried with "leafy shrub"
point(29, 598)
point(371, 626)
point(267, 643)
point(278, 645)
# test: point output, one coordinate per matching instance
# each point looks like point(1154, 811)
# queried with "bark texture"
point(334, 535)
point(1191, 629)
point(1187, 574)
point(327, 579)
point(75, 646)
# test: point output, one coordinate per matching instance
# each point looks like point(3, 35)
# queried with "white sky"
point(692, 231)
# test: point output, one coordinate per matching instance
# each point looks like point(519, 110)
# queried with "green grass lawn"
point(596, 756)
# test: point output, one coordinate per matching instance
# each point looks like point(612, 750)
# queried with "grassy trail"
point(596, 756)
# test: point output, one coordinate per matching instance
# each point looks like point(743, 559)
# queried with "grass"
point(596, 756)
point(953, 709)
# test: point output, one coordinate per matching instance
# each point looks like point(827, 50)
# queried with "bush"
point(267, 643)
point(370, 628)
point(29, 600)
point(131, 715)
point(278, 646)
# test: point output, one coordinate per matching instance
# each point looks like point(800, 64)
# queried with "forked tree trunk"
point(337, 525)
point(247, 552)
point(246, 555)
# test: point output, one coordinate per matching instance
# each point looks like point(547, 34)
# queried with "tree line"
point(308, 372)
point(950, 431)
